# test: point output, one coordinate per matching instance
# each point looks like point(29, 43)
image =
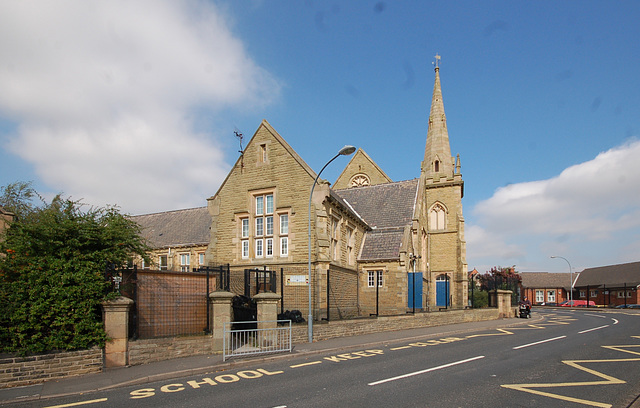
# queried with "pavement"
point(203, 364)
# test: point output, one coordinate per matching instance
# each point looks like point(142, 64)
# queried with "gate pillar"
point(502, 299)
point(267, 303)
point(221, 312)
point(115, 314)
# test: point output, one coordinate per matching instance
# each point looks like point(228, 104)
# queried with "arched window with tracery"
point(437, 217)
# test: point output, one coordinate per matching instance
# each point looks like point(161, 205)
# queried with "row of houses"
point(611, 285)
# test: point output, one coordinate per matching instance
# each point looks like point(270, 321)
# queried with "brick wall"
point(21, 371)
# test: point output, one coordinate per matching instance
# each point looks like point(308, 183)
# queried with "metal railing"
point(246, 342)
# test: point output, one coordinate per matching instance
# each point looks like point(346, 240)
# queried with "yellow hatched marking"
point(606, 379)
point(306, 364)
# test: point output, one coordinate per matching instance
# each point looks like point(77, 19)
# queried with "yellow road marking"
point(606, 379)
point(306, 364)
point(75, 404)
point(400, 348)
point(502, 333)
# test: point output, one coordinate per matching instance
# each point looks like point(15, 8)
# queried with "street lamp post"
point(570, 279)
point(345, 151)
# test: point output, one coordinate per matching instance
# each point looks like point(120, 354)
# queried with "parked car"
point(628, 306)
point(577, 303)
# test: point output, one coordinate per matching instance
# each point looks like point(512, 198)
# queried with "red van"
point(577, 303)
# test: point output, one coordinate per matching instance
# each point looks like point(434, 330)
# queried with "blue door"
point(442, 291)
point(415, 290)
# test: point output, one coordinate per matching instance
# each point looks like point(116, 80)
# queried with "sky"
point(135, 104)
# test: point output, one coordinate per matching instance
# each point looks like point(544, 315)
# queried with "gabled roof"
point(388, 209)
point(361, 162)
point(611, 276)
point(545, 280)
point(280, 140)
point(180, 228)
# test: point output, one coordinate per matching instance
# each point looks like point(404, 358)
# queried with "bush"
point(52, 262)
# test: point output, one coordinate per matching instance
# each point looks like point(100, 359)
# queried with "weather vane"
point(437, 61)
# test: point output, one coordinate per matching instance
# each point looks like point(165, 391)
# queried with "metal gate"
point(442, 291)
point(414, 294)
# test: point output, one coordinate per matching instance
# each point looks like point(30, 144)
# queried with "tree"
point(501, 278)
point(52, 262)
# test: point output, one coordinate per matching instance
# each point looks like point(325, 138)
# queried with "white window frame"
point(259, 226)
point(244, 227)
point(185, 262)
point(284, 224)
point(551, 296)
point(539, 295)
point(201, 258)
point(259, 248)
point(268, 247)
point(245, 248)
point(284, 246)
point(371, 278)
point(260, 205)
point(268, 225)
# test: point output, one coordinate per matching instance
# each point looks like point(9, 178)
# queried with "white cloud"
point(104, 94)
point(592, 208)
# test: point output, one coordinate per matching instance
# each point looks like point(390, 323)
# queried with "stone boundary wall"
point(21, 371)
point(344, 328)
point(151, 350)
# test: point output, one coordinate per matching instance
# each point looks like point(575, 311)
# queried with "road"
point(588, 357)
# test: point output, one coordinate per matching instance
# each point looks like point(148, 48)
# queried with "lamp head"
point(347, 150)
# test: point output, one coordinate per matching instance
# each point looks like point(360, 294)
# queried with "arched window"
point(436, 166)
point(437, 217)
point(359, 180)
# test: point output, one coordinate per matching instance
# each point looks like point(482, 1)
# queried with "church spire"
point(437, 154)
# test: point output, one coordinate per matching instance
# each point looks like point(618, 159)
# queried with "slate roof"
point(387, 209)
point(387, 205)
point(611, 276)
point(545, 280)
point(178, 228)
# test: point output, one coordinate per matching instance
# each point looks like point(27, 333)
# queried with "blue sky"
point(135, 104)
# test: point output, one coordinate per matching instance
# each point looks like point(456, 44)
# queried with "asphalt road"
point(575, 358)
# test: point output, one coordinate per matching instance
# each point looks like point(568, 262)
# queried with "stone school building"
point(376, 245)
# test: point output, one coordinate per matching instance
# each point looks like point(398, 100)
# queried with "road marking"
point(75, 404)
point(426, 371)
point(400, 348)
point(615, 321)
point(592, 315)
point(306, 364)
point(595, 328)
point(607, 379)
point(538, 342)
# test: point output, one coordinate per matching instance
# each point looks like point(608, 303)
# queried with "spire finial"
point(436, 63)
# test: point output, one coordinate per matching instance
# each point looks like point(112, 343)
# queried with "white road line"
point(615, 321)
point(426, 371)
point(595, 328)
point(592, 315)
point(538, 342)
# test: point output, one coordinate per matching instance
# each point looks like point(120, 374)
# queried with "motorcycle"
point(525, 311)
